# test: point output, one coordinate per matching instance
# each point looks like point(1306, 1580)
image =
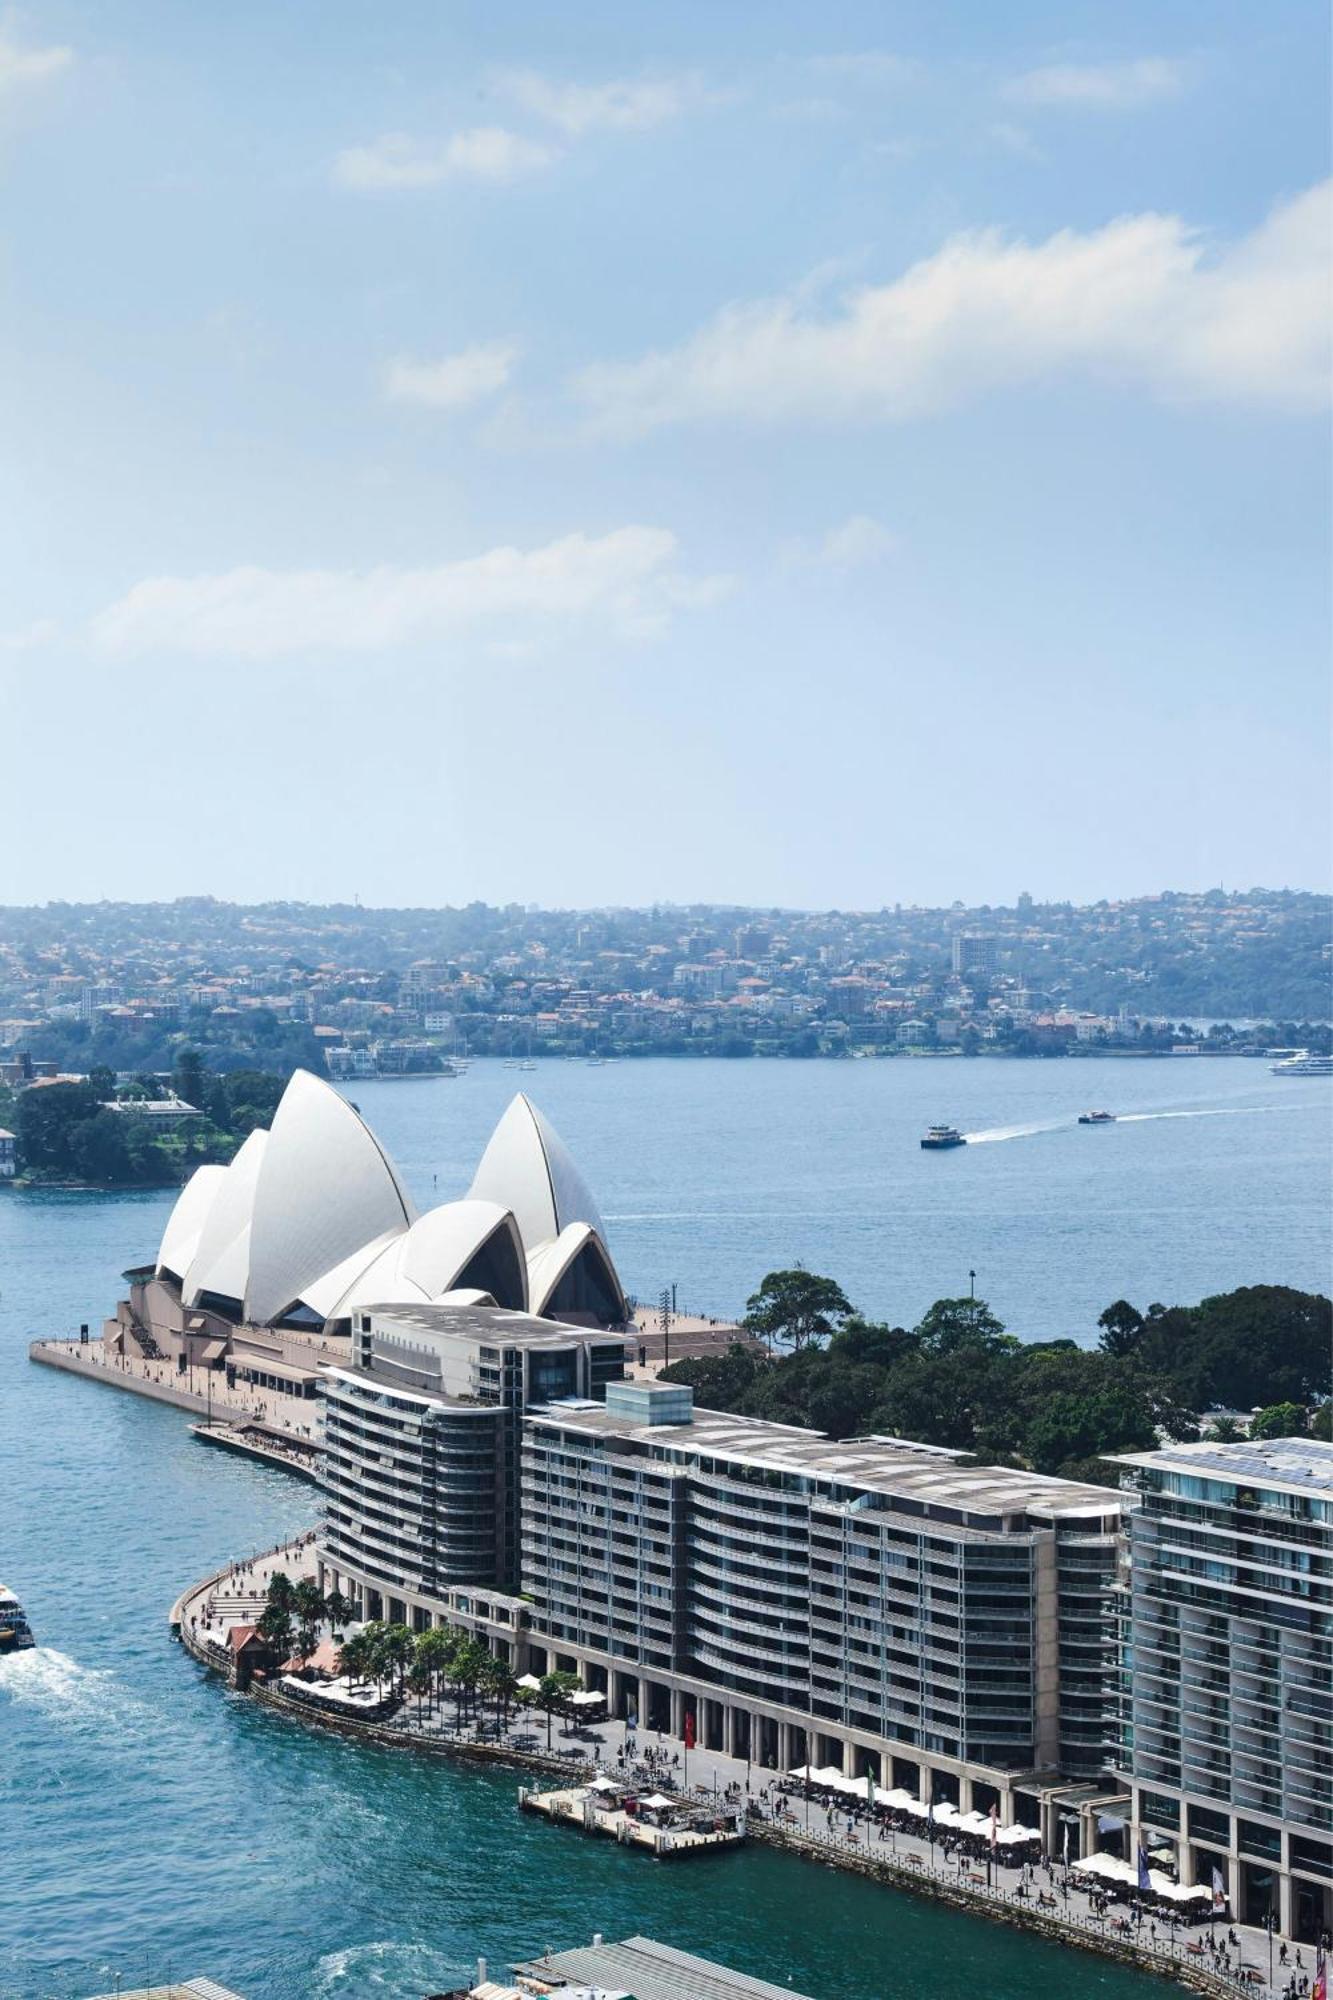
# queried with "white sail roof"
point(526, 1168)
point(221, 1259)
point(427, 1261)
point(187, 1218)
point(325, 1188)
point(549, 1263)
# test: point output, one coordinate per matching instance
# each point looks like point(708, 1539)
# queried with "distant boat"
point(1096, 1118)
point(527, 1065)
point(940, 1137)
point(1304, 1064)
point(15, 1631)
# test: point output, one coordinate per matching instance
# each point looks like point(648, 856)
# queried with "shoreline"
point(1169, 1961)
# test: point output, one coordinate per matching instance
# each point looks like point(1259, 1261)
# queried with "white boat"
point(15, 1631)
point(1303, 1064)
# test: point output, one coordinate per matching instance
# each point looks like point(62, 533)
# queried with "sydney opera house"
point(263, 1263)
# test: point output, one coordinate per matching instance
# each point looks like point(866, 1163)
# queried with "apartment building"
point(871, 1603)
point(1229, 1671)
point(421, 1447)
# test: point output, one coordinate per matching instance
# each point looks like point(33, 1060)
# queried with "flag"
point(994, 1825)
point(1145, 1879)
point(1064, 1851)
point(689, 1729)
point(1219, 1891)
point(1319, 1991)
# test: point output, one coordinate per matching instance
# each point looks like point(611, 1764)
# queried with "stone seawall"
point(1001, 1906)
point(70, 1355)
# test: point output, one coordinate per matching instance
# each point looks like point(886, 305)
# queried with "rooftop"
point(652, 1971)
point(492, 1326)
point(930, 1475)
point(1293, 1464)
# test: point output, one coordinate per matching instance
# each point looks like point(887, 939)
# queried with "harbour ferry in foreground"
point(15, 1631)
point(1096, 1118)
point(941, 1137)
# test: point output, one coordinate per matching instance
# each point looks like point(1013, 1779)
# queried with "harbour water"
point(149, 1822)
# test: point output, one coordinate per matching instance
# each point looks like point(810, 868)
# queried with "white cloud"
point(874, 66)
point(624, 105)
point(856, 543)
point(27, 638)
point(396, 161)
point(455, 381)
point(19, 67)
point(1112, 86)
point(626, 582)
point(1145, 301)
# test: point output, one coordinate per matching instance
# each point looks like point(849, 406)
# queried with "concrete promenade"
point(831, 1835)
point(203, 1392)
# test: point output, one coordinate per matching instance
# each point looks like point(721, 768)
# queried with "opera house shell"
point(311, 1222)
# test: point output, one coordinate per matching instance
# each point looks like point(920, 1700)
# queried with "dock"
point(263, 1441)
point(657, 1823)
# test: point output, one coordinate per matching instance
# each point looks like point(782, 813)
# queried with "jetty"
point(637, 1965)
point(660, 1823)
point(265, 1442)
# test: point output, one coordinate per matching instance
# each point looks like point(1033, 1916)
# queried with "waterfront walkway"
point(202, 1391)
point(901, 1857)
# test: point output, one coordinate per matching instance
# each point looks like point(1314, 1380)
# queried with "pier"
point(662, 1824)
point(287, 1421)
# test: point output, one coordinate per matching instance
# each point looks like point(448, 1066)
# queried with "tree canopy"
point(959, 1378)
point(795, 1307)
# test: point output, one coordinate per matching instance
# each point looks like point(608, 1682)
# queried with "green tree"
point(1321, 1423)
point(1281, 1420)
point(1225, 1430)
point(354, 1658)
point(954, 1325)
point(338, 1609)
point(310, 1610)
point(1122, 1329)
point(275, 1629)
point(795, 1307)
point(553, 1696)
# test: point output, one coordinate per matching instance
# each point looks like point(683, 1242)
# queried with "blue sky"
point(820, 456)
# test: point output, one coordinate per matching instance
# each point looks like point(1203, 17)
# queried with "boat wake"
point(57, 1686)
point(387, 1966)
point(1207, 1111)
point(996, 1133)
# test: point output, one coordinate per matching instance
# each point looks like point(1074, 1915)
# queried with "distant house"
point(8, 1155)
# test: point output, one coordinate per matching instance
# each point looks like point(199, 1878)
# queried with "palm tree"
point(275, 1629)
point(339, 1610)
point(282, 1592)
point(400, 1645)
point(354, 1657)
point(497, 1680)
point(434, 1649)
point(419, 1681)
point(311, 1609)
point(554, 1692)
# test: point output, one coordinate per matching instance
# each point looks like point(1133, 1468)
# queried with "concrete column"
point(677, 1713)
point(728, 1730)
point(643, 1704)
point(786, 1754)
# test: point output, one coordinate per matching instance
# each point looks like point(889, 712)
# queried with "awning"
point(251, 1365)
point(213, 1350)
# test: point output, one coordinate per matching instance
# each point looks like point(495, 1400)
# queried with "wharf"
point(288, 1419)
point(176, 1989)
point(662, 1825)
point(263, 1441)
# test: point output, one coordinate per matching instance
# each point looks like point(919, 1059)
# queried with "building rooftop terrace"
point(931, 1475)
point(1292, 1464)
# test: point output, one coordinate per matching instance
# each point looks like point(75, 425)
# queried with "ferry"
point(941, 1137)
point(1303, 1064)
point(15, 1631)
point(1096, 1118)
